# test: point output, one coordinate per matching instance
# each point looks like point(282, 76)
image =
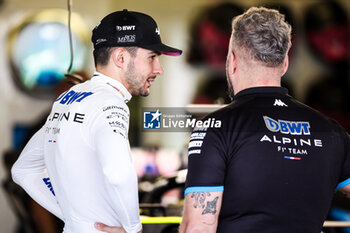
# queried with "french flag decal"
point(292, 158)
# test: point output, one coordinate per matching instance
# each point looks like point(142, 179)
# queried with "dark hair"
point(264, 33)
point(102, 55)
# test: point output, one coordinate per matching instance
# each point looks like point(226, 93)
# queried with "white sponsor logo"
point(195, 144)
point(290, 146)
point(194, 152)
point(197, 136)
point(280, 103)
point(157, 31)
point(292, 141)
point(127, 38)
point(100, 41)
point(126, 28)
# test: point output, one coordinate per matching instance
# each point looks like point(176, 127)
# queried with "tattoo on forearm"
point(209, 207)
point(199, 199)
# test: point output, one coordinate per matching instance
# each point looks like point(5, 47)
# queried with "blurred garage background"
point(35, 56)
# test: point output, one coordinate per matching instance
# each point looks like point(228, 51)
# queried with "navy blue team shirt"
point(277, 161)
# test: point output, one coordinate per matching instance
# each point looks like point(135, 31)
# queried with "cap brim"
point(164, 49)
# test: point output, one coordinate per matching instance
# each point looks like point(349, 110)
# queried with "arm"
point(44, 221)
point(346, 190)
point(204, 182)
point(105, 228)
point(112, 147)
point(201, 212)
point(344, 185)
point(29, 172)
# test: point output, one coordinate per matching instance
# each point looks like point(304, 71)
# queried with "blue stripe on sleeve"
point(204, 189)
point(342, 184)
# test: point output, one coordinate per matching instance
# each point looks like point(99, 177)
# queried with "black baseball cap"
point(128, 28)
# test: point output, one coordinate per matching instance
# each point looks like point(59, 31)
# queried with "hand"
point(105, 228)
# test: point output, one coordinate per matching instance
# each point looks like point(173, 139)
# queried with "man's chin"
point(141, 92)
point(144, 93)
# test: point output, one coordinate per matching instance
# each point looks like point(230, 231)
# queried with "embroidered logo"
point(280, 103)
point(126, 28)
point(157, 31)
point(127, 39)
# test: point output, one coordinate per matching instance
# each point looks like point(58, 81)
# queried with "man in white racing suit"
point(78, 164)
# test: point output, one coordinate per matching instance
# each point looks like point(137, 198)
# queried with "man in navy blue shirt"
point(274, 164)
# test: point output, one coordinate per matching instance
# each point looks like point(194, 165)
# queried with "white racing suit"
point(78, 165)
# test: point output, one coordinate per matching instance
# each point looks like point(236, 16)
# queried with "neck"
point(257, 77)
point(258, 84)
point(105, 70)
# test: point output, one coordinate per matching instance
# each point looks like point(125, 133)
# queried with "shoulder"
point(103, 97)
point(226, 112)
point(316, 115)
point(98, 99)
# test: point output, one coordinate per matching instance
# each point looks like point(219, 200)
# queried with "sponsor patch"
point(127, 39)
point(287, 127)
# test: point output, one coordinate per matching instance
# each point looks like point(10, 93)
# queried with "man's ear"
point(285, 65)
point(232, 63)
point(119, 57)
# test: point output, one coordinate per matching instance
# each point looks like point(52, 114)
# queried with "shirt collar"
point(115, 84)
point(262, 90)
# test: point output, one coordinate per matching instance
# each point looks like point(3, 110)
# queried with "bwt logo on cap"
point(152, 120)
point(126, 28)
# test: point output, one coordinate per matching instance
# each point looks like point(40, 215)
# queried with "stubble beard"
point(229, 83)
point(230, 89)
point(135, 81)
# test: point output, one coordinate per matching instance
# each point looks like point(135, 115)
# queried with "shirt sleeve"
point(30, 173)
point(110, 132)
point(206, 161)
point(345, 173)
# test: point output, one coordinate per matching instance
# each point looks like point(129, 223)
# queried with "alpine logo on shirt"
point(67, 116)
point(292, 138)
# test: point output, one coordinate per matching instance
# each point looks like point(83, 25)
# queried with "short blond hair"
point(264, 33)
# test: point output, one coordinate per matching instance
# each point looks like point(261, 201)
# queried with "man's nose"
point(158, 69)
